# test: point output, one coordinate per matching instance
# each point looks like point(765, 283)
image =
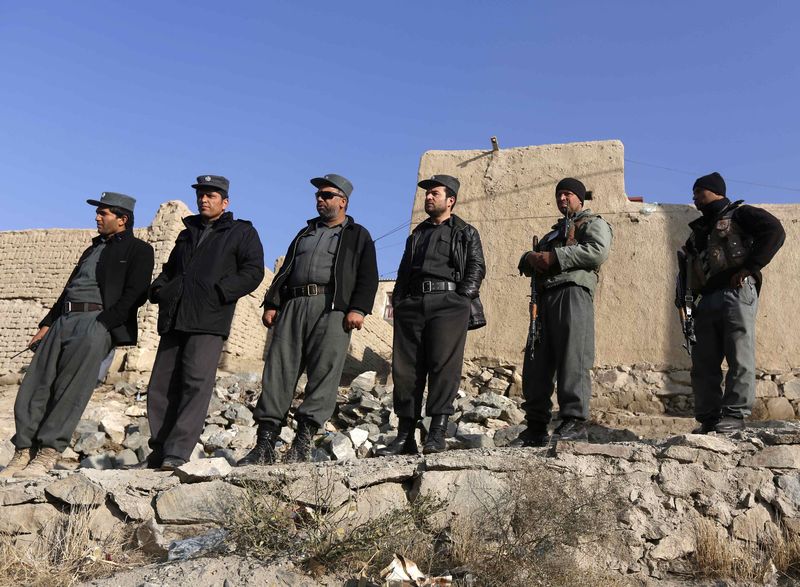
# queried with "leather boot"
point(263, 452)
point(404, 443)
point(435, 441)
point(44, 461)
point(300, 451)
point(20, 460)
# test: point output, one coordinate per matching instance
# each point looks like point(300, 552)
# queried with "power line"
point(696, 174)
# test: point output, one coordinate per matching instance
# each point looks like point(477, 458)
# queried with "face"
point(437, 202)
point(331, 203)
point(702, 196)
point(568, 202)
point(108, 224)
point(211, 205)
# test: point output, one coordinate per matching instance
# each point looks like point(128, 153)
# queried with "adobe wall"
point(509, 196)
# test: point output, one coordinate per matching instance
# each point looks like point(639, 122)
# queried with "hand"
point(524, 266)
point(353, 320)
point(541, 262)
point(269, 316)
point(737, 279)
point(38, 336)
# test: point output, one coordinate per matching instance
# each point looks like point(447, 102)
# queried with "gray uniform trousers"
point(180, 390)
point(566, 352)
point(60, 381)
point(309, 336)
point(725, 326)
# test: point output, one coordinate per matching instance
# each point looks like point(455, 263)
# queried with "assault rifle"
point(685, 302)
point(32, 347)
point(533, 326)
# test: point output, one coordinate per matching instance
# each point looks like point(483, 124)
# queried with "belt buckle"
point(312, 289)
point(67, 307)
point(427, 287)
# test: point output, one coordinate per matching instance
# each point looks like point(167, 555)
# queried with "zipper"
point(336, 264)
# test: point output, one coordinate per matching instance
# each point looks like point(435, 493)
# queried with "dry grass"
point(528, 535)
point(718, 556)
point(65, 553)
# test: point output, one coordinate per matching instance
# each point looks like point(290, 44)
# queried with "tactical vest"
point(556, 239)
point(727, 247)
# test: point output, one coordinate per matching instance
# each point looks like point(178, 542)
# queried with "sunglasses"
point(326, 195)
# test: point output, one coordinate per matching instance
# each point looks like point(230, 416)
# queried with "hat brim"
point(97, 203)
point(427, 184)
point(321, 182)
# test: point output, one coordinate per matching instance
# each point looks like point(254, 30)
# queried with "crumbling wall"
point(509, 196)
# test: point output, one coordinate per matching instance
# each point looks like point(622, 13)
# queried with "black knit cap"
point(712, 182)
point(573, 185)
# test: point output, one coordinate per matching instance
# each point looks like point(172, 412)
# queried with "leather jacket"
point(466, 259)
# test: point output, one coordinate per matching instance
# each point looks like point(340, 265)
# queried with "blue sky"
point(140, 97)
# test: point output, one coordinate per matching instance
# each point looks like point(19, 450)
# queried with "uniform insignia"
point(207, 178)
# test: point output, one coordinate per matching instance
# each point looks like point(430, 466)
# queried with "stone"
point(90, 443)
point(369, 403)
point(211, 501)
point(791, 389)
point(135, 411)
point(493, 400)
point(239, 414)
point(481, 414)
point(782, 456)
point(125, 457)
point(766, 388)
point(507, 435)
point(6, 451)
point(133, 507)
point(114, 426)
point(682, 377)
point(686, 480)
point(617, 451)
point(707, 442)
point(150, 538)
point(364, 383)
point(779, 408)
point(244, 437)
point(340, 446)
point(674, 546)
point(466, 492)
point(76, 490)
point(750, 525)
point(203, 470)
point(358, 436)
point(221, 439)
point(27, 518)
point(100, 461)
point(134, 440)
point(374, 502)
point(104, 523)
point(496, 385)
point(319, 489)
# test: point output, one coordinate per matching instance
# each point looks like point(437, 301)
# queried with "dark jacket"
point(123, 275)
point(765, 231)
point(355, 274)
point(466, 259)
point(199, 285)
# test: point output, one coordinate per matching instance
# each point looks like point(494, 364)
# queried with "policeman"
point(95, 312)
point(440, 275)
point(326, 286)
point(216, 260)
point(729, 246)
point(566, 262)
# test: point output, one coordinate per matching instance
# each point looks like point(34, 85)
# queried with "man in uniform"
point(95, 312)
point(439, 276)
point(730, 243)
point(566, 262)
point(326, 286)
point(216, 260)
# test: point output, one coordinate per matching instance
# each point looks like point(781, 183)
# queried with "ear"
point(225, 202)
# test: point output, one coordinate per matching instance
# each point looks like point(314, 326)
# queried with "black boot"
point(404, 443)
point(300, 451)
point(435, 441)
point(263, 452)
point(572, 430)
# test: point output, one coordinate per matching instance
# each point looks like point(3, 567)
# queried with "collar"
point(314, 222)
point(120, 236)
point(196, 221)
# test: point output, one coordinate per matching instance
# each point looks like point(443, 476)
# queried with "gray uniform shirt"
point(84, 288)
point(315, 256)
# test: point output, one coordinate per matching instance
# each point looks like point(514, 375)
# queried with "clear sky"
point(140, 97)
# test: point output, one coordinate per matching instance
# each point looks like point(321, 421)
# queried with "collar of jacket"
point(196, 221)
point(312, 222)
point(578, 216)
point(454, 221)
point(120, 236)
point(718, 208)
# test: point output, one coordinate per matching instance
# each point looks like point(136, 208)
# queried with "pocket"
point(443, 247)
point(747, 293)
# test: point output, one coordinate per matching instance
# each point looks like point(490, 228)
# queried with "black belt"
point(81, 307)
point(301, 291)
point(426, 287)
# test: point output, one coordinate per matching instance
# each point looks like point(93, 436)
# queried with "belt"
point(81, 307)
point(426, 287)
point(312, 289)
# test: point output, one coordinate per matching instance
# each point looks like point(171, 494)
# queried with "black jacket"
point(123, 275)
point(199, 285)
point(355, 274)
point(466, 259)
point(766, 231)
